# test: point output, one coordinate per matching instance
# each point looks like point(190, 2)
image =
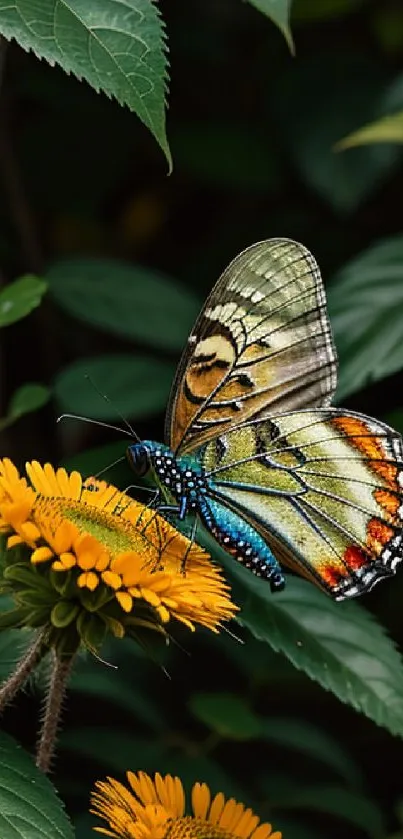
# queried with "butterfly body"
point(253, 446)
point(186, 488)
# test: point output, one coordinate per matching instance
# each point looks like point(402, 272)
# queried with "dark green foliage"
point(295, 716)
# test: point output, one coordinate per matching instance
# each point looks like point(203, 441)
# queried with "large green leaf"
point(366, 309)
point(29, 807)
point(118, 48)
point(279, 12)
point(19, 298)
point(127, 300)
point(339, 645)
point(136, 386)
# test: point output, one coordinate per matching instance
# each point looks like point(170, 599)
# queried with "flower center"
point(115, 533)
point(190, 828)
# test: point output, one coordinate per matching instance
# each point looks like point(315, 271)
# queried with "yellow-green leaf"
point(389, 129)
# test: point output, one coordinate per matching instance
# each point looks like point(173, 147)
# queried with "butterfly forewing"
point(261, 345)
point(323, 487)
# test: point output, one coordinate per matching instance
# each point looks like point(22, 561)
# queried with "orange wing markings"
point(360, 436)
point(390, 502)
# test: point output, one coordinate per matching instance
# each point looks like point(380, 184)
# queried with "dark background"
point(251, 131)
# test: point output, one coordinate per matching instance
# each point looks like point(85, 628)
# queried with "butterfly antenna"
point(110, 466)
point(94, 422)
point(115, 408)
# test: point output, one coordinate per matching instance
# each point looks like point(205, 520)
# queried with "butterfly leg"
point(179, 511)
point(242, 541)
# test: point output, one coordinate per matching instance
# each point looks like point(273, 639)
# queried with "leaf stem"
point(53, 706)
point(25, 667)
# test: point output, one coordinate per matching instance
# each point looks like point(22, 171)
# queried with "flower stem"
point(25, 667)
point(54, 700)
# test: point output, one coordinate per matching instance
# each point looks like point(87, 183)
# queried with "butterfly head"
point(146, 456)
point(140, 458)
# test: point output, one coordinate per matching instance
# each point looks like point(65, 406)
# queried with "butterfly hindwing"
point(262, 342)
point(324, 489)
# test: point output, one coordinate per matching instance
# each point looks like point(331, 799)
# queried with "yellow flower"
point(100, 560)
point(155, 809)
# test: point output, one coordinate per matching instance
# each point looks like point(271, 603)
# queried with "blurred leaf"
point(304, 737)
point(387, 25)
point(355, 808)
point(354, 85)
point(388, 129)
point(279, 12)
point(25, 400)
point(13, 643)
point(109, 684)
point(117, 48)
point(366, 310)
point(201, 148)
point(307, 10)
point(116, 749)
point(29, 807)
point(339, 645)
point(136, 386)
point(129, 301)
point(19, 298)
point(226, 714)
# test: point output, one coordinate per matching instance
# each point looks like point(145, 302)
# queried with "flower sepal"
point(64, 612)
point(92, 630)
point(115, 626)
point(94, 601)
point(63, 583)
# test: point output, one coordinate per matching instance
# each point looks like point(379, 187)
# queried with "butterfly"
point(253, 447)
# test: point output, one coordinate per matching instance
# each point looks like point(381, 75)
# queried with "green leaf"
point(306, 738)
point(279, 12)
point(29, 807)
point(226, 714)
point(388, 129)
point(25, 400)
point(345, 804)
point(19, 298)
point(129, 301)
point(366, 309)
point(118, 48)
point(136, 386)
point(339, 645)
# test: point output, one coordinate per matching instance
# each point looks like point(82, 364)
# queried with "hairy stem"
point(59, 677)
point(25, 667)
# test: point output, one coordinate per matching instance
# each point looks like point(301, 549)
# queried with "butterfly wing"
point(323, 487)
point(263, 341)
